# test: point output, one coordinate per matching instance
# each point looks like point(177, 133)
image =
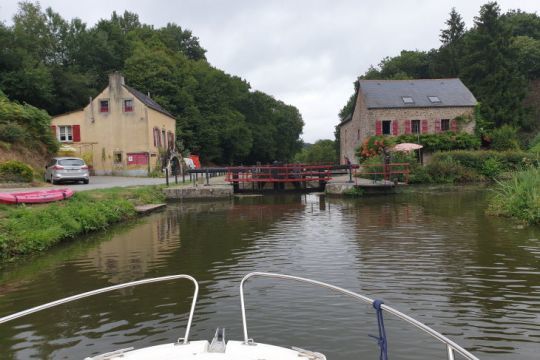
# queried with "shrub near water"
point(15, 171)
point(518, 197)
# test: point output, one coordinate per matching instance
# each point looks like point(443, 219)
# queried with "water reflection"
point(432, 254)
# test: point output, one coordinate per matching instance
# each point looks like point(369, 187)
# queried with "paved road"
point(98, 182)
point(104, 182)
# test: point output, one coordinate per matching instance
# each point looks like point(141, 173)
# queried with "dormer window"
point(407, 100)
point(434, 99)
point(128, 105)
point(103, 106)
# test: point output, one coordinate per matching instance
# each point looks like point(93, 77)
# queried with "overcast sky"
point(304, 52)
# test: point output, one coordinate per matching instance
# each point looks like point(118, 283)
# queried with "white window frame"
point(66, 131)
point(413, 127)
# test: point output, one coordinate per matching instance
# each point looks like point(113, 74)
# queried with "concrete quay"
point(200, 192)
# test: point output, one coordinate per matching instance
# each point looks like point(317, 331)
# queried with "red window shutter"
point(424, 126)
point(437, 125)
point(53, 130)
point(407, 126)
point(453, 125)
point(76, 133)
point(378, 127)
point(395, 128)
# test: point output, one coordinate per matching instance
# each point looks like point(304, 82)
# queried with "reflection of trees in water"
point(130, 254)
point(443, 252)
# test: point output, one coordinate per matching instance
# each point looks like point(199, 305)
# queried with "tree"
point(446, 60)
point(323, 151)
point(57, 65)
point(489, 70)
point(527, 52)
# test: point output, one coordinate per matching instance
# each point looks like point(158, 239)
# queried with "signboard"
point(137, 159)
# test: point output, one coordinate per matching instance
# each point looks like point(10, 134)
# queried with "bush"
point(504, 138)
point(23, 123)
point(374, 146)
point(446, 170)
point(11, 133)
point(535, 142)
point(15, 171)
point(444, 141)
point(519, 197)
point(508, 160)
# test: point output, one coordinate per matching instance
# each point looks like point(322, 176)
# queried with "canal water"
point(430, 253)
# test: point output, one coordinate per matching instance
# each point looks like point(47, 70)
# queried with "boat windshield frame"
point(184, 340)
point(451, 346)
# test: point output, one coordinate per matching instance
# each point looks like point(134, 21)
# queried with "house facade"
point(396, 107)
point(120, 132)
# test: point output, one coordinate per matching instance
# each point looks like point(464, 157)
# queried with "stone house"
point(120, 132)
point(395, 107)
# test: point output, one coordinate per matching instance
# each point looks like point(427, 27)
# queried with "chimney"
point(116, 80)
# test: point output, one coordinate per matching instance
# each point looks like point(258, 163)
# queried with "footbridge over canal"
point(275, 178)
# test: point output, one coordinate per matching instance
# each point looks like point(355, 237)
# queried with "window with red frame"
point(128, 105)
point(104, 106)
point(157, 137)
point(170, 140)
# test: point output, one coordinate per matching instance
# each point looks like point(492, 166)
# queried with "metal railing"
point(112, 288)
point(450, 345)
point(388, 172)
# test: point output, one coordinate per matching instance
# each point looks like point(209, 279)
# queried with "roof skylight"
point(434, 99)
point(407, 100)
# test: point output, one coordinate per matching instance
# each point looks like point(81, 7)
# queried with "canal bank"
point(35, 228)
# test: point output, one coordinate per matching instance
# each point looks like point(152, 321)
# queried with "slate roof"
point(389, 93)
point(147, 100)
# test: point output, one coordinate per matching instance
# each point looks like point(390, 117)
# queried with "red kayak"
point(35, 197)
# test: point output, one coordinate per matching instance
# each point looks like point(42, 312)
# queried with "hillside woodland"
point(56, 64)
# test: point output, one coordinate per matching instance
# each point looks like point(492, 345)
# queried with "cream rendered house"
point(120, 132)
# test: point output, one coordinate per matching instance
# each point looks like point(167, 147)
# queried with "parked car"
point(66, 169)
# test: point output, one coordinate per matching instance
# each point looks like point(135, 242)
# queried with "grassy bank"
point(518, 197)
point(30, 229)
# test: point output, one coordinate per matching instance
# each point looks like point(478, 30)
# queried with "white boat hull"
point(199, 350)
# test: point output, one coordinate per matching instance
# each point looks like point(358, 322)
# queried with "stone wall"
point(363, 123)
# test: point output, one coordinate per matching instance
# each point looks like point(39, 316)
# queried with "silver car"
point(66, 169)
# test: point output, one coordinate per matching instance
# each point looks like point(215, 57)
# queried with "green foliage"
point(323, 151)
point(504, 138)
point(446, 170)
point(448, 140)
point(354, 192)
point(489, 70)
point(28, 229)
point(476, 165)
point(534, 143)
point(15, 171)
point(56, 65)
point(25, 124)
point(444, 141)
point(374, 146)
point(518, 197)
point(407, 65)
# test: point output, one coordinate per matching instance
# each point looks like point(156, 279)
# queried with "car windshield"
point(71, 162)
